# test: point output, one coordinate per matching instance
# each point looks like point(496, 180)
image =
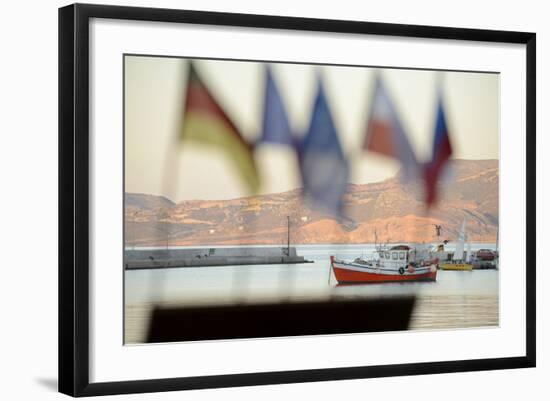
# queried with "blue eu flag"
point(324, 167)
point(276, 128)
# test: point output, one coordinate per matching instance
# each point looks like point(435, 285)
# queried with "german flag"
point(204, 121)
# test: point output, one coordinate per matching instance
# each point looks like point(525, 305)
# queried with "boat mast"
point(468, 249)
point(459, 248)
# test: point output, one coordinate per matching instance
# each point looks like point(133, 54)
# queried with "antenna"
point(438, 230)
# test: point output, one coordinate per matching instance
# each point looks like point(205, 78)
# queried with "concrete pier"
point(198, 257)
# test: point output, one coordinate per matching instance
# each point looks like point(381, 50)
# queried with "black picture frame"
point(74, 198)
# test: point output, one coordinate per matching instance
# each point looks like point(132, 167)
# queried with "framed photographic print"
point(299, 199)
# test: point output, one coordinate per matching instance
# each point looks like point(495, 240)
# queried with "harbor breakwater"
point(198, 257)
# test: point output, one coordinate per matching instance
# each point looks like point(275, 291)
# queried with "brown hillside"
point(396, 212)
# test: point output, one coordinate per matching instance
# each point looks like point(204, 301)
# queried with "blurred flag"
point(205, 121)
point(276, 128)
point(323, 165)
point(385, 134)
point(441, 152)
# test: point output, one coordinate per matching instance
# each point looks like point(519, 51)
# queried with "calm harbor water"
point(456, 300)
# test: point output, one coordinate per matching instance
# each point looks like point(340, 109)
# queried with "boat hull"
point(347, 273)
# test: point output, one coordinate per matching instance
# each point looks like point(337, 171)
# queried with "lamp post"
point(133, 229)
point(288, 236)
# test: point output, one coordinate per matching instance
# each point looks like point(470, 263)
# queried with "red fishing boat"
point(396, 264)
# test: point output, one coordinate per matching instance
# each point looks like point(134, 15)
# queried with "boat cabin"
point(397, 254)
point(403, 255)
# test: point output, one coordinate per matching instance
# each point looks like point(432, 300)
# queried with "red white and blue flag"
point(385, 134)
point(441, 153)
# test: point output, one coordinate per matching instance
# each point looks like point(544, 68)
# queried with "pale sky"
point(154, 88)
